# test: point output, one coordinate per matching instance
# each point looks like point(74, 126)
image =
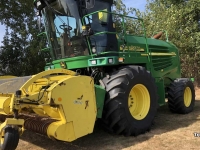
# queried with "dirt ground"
point(170, 131)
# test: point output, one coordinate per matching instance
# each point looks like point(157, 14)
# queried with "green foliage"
point(131, 26)
point(182, 21)
point(19, 53)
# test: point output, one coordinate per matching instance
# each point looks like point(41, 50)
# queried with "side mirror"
point(89, 4)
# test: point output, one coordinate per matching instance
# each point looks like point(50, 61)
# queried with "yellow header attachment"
point(59, 94)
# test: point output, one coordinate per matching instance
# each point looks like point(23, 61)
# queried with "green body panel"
point(161, 91)
point(73, 63)
point(162, 59)
point(103, 61)
point(162, 66)
point(100, 96)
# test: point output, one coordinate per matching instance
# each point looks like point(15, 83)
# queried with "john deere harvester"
point(103, 67)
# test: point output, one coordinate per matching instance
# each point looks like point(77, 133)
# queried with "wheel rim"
point(187, 96)
point(139, 102)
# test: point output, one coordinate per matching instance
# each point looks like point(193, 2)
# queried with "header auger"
point(100, 70)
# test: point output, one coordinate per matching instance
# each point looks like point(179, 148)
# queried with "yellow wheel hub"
point(139, 101)
point(187, 96)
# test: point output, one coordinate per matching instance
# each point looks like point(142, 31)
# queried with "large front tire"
point(131, 101)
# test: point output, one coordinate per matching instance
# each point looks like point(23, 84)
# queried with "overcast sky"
point(140, 4)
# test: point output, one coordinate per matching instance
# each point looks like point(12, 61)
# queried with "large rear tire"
point(181, 96)
point(9, 139)
point(131, 101)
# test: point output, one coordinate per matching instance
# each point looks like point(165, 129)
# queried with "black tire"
point(176, 96)
point(11, 139)
point(116, 116)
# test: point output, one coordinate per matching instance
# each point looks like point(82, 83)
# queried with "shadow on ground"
point(165, 121)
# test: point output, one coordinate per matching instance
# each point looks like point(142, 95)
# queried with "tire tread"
point(113, 114)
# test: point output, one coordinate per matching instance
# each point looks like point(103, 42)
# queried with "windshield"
point(101, 23)
point(63, 27)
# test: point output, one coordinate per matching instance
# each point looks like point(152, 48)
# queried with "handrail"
point(123, 25)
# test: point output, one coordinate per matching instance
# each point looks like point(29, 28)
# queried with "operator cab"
point(64, 20)
point(102, 27)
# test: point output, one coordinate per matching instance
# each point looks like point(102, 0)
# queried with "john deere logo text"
point(131, 48)
point(63, 65)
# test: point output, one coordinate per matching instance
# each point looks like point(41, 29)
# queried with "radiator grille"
point(160, 62)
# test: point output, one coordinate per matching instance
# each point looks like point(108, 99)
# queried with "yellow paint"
point(12, 96)
point(2, 136)
point(103, 16)
point(10, 122)
point(78, 118)
point(164, 54)
point(114, 25)
point(84, 27)
point(39, 111)
point(187, 96)
point(69, 99)
point(117, 36)
point(32, 88)
point(139, 102)
point(51, 112)
point(62, 131)
point(5, 105)
point(160, 54)
point(132, 48)
point(31, 81)
point(7, 77)
point(63, 65)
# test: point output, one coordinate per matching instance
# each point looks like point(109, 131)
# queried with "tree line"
point(19, 53)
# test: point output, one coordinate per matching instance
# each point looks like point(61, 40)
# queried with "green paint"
point(192, 79)
point(103, 61)
point(49, 66)
point(161, 91)
point(74, 62)
point(100, 95)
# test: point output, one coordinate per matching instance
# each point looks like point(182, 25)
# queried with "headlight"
point(93, 62)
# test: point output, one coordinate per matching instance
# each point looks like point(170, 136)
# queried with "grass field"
point(170, 132)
